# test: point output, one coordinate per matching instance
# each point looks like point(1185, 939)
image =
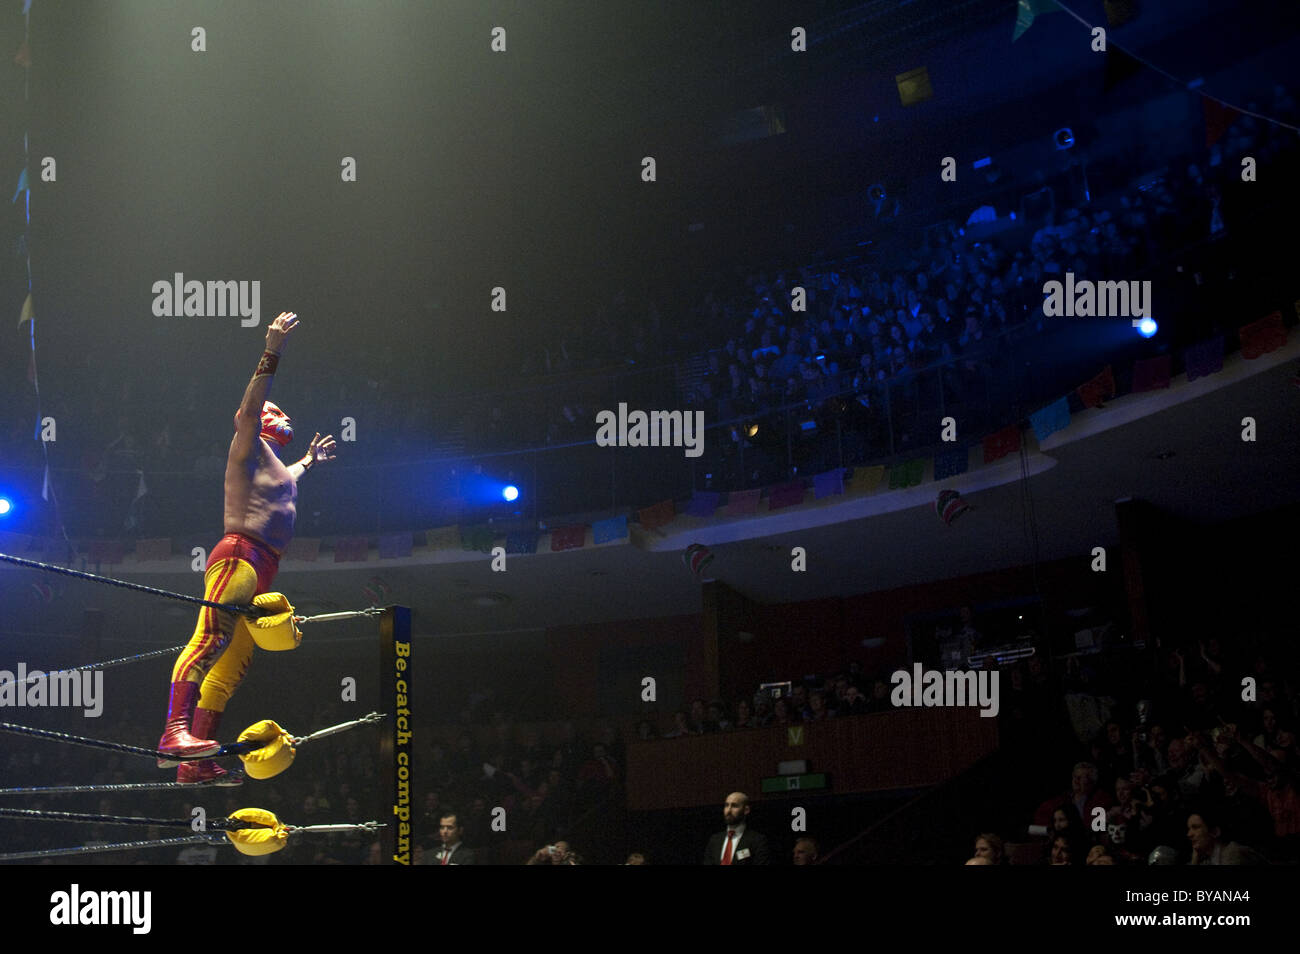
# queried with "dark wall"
point(596, 669)
point(604, 663)
point(822, 636)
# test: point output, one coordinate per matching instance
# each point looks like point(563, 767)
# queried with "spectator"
point(1084, 795)
point(1097, 855)
point(879, 700)
point(782, 714)
point(855, 703)
point(1067, 821)
point(1209, 846)
point(1113, 753)
point(799, 700)
point(1185, 775)
point(806, 852)
point(744, 716)
point(738, 844)
point(1063, 851)
point(681, 725)
point(700, 717)
point(559, 853)
point(989, 845)
point(451, 837)
point(718, 718)
point(817, 709)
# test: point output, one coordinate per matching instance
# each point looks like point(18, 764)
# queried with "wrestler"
point(260, 496)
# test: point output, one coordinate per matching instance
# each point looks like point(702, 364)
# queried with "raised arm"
point(248, 421)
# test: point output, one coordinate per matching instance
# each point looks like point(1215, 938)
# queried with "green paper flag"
point(914, 86)
point(1026, 10)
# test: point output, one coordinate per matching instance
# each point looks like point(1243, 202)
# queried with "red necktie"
point(445, 855)
point(726, 855)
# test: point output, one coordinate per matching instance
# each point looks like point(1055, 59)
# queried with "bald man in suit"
point(738, 844)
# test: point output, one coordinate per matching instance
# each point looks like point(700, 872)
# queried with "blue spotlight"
point(1147, 327)
point(510, 493)
point(5, 506)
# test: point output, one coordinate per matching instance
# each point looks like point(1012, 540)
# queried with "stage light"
point(5, 506)
point(1147, 327)
point(1063, 138)
point(510, 493)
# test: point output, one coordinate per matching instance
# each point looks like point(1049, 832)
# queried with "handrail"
point(983, 765)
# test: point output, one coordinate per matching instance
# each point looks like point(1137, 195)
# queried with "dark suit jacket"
point(755, 842)
point(461, 856)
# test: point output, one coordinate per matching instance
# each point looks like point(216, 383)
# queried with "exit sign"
point(795, 783)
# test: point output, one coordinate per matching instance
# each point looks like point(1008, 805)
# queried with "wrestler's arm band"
point(267, 365)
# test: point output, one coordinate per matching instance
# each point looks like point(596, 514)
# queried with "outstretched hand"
point(279, 329)
point(321, 449)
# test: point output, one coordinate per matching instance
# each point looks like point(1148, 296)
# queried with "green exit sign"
point(795, 783)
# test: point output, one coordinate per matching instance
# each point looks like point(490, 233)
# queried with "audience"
point(740, 350)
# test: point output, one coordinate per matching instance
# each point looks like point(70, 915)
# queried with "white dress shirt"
point(735, 841)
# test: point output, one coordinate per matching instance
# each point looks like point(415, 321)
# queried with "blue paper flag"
point(951, 463)
point(703, 503)
point(615, 528)
point(522, 541)
point(394, 546)
point(1055, 417)
point(829, 483)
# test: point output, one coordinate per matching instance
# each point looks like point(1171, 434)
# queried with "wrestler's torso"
point(261, 497)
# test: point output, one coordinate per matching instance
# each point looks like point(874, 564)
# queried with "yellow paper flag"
point(866, 479)
point(28, 312)
point(444, 538)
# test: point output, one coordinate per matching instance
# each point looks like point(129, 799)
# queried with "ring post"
point(396, 752)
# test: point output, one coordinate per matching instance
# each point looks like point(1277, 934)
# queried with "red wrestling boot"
point(176, 738)
point(206, 722)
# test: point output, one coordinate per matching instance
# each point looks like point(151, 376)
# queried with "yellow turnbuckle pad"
point(258, 841)
point(273, 757)
point(275, 630)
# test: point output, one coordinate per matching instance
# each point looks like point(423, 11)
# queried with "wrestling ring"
point(265, 748)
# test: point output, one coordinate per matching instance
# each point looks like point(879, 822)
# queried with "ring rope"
point(120, 846)
point(236, 748)
point(110, 663)
point(172, 650)
point(216, 824)
point(242, 610)
point(119, 787)
point(211, 837)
